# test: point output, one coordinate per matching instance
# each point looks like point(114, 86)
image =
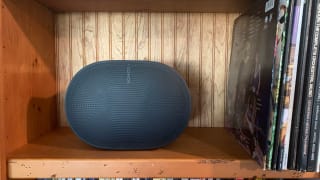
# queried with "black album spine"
point(314, 130)
point(312, 55)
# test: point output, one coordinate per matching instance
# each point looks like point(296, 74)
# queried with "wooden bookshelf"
point(198, 152)
point(33, 76)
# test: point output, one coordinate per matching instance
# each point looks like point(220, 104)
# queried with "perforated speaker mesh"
point(127, 104)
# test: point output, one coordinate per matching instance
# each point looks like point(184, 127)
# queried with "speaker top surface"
point(127, 104)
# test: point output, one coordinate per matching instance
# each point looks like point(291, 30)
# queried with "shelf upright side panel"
point(2, 134)
point(28, 102)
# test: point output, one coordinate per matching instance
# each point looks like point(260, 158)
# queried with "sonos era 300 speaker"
point(127, 104)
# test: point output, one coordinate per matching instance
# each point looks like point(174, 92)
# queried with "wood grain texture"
point(29, 72)
point(103, 31)
point(195, 44)
point(90, 37)
point(142, 36)
point(3, 168)
point(130, 31)
point(77, 49)
point(220, 56)
point(207, 69)
point(181, 43)
point(155, 36)
point(198, 152)
point(168, 38)
point(148, 5)
point(64, 60)
point(116, 36)
point(194, 60)
point(27, 75)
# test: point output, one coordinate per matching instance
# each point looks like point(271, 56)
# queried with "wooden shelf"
point(198, 152)
point(148, 5)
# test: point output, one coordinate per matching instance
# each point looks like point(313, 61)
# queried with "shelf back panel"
point(197, 45)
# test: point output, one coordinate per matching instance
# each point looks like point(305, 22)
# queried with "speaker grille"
point(127, 104)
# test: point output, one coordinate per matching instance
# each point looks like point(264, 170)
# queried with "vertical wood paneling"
point(207, 69)
point(63, 55)
point(155, 27)
point(130, 51)
point(143, 36)
point(194, 60)
point(197, 45)
point(77, 38)
point(220, 68)
point(167, 45)
point(90, 37)
point(116, 36)
point(103, 48)
point(181, 42)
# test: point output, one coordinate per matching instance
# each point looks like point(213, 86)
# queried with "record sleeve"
point(308, 96)
point(282, 12)
point(302, 61)
point(315, 127)
point(283, 104)
point(291, 81)
point(288, 85)
point(250, 76)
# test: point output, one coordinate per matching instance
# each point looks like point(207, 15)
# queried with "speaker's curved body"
point(127, 104)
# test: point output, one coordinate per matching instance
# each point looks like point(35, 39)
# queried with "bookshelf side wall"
point(28, 84)
point(2, 134)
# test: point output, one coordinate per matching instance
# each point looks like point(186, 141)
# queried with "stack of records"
point(273, 91)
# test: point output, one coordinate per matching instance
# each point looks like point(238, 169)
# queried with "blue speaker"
point(127, 105)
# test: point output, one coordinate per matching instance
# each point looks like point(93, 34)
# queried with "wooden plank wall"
point(197, 45)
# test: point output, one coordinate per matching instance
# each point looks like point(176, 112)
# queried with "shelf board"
point(198, 152)
point(148, 5)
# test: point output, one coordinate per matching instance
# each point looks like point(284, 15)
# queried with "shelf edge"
point(50, 168)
